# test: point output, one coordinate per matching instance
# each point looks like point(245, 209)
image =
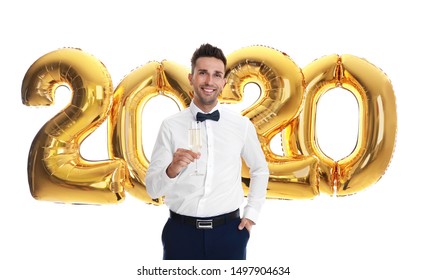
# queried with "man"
point(204, 218)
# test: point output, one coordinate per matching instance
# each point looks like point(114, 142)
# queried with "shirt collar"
point(194, 109)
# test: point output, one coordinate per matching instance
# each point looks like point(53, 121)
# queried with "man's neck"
point(206, 108)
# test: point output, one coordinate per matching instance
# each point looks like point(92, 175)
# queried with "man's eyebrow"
point(218, 72)
point(215, 71)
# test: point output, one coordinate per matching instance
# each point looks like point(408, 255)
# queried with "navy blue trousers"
point(186, 242)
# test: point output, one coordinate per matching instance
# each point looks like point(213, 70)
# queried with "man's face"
point(208, 81)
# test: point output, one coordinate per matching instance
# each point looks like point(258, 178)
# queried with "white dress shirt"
point(219, 191)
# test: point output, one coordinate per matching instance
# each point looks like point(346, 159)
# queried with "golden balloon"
point(377, 125)
point(286, 107)
point(282, 88)
point(124, 124)
point(56, 171)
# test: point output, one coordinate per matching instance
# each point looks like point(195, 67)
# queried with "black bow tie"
point(213, 116)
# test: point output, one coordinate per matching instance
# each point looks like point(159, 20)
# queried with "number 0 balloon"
point(377, 124)
point(124, 124)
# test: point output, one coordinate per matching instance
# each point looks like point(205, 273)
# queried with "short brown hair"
point(207, 50)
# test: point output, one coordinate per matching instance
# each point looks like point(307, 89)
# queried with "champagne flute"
point(195, 143)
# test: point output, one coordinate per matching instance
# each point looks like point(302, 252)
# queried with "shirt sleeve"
point(157, 181)
point(259, 173)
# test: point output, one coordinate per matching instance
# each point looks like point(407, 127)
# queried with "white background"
point(376, 234)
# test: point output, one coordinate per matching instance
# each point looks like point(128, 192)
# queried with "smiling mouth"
point(208, 90)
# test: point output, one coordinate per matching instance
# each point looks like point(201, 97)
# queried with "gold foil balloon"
point(286, 107)
point(282, 88)
point(377, 124)
point(56, 171)
point(124, 125)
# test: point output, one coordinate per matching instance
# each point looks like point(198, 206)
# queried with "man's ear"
point(190, 78)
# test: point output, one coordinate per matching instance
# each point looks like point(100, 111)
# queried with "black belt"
point(206, 223)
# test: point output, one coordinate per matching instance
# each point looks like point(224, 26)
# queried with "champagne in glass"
point(195, 143)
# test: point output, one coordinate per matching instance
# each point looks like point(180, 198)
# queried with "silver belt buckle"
point(204, 224)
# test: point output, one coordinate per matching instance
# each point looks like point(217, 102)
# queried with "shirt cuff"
point(251, 214)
